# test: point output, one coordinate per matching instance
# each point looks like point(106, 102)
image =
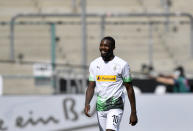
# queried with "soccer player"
point(108, 76)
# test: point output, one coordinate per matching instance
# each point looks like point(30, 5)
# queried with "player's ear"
point(113, 47)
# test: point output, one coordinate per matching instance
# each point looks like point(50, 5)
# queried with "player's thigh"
point(102, 116)
point(114, 117)
point(109, 130)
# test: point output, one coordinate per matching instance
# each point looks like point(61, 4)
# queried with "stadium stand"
point(33, 41)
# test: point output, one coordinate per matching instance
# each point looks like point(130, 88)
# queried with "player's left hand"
point(133, 119)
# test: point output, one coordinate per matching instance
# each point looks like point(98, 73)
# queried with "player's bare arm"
point(89, 95)
point(131, 96)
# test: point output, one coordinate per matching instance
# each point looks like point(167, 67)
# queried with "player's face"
point(106, 49)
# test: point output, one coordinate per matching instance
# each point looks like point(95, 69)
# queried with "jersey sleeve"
point(126, 74)
point(91, 73)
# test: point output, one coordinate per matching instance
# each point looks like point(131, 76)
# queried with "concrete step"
point(25, 87)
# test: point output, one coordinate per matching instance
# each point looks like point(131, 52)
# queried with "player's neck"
point(107, 59)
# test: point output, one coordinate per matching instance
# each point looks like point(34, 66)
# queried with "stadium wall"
point(143, 85)
point(65, 113)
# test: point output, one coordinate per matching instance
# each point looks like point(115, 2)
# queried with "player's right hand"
point(86, 110)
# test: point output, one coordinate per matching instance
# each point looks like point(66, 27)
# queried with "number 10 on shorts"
point(115, 119)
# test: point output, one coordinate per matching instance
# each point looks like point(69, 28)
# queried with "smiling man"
point(110, 74)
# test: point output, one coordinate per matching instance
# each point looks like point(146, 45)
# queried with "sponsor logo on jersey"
point(106, 78)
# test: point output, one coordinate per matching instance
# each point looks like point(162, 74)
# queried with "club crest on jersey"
point(114, 68)
point(107, 78)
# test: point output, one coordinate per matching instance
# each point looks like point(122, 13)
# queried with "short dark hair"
point(111, 39)
point(181, 70)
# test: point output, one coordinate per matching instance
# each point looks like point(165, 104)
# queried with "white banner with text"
point(65, 113)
